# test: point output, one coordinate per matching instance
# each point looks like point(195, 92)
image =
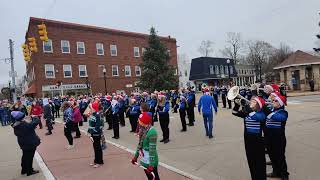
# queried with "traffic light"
point(43, 32)
point(33, 44)
point(26, 52)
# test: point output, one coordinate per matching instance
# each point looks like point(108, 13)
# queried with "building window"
point(115, 70)
point(127, 71)
point(113, 50)
point(100, 70)
point(216, 67)
point(65, 46)
point(221, 69)
point(231, 70)
point(47, 46)
point(83, 71)
point(67, 71)
point(136, 52)
point(169, 52)
point(226, 70)
point(100, 50)
point(81, 48)
point(176, 72)
point(143, 50)
point(211, 69)
point(49, 70)
point(138, 70)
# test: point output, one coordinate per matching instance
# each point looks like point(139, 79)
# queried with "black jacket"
point(26, 135)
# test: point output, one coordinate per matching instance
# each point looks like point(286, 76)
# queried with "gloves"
point(149, 169)
point(134, 160)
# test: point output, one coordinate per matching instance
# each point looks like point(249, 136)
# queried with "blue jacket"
point(67, 115)
point(164, 110)
point(191, 99)
point(115, 109)
point(152, 103)
point(253, 122)
point(277, 119)
point(135, 110)
point(182, 106)
point(206, 102)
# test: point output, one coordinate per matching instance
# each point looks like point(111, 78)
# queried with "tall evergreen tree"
point(157, 73)
point(317, 49)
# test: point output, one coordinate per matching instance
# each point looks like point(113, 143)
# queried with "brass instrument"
point(233, 93)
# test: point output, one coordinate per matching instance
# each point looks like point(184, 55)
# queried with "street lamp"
point(228, 63)
point(105, 79)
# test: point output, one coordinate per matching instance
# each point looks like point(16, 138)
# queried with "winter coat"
point(26, 135)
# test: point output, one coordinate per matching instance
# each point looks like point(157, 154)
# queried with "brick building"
point(78, 55)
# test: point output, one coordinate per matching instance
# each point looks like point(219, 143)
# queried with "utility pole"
point(13, 73)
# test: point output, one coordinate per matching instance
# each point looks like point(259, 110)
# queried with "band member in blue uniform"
point(248, 93)
point(224, 92)
point(121, 110)
point(253, 140)
point(152, 107)
point(163, 112)
point(107, 109)
point(276, 137)
point(216, 93)
point(115, 117)
point(191, 98)
point(134, 113)
point(183, 106)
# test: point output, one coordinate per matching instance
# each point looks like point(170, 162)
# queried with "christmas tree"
point(157, 73)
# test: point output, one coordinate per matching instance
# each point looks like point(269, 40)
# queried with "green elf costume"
point(147, 147)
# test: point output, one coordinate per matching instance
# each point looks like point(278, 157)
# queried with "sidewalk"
point(74, 164)
point(302, 93)
point(10, 158)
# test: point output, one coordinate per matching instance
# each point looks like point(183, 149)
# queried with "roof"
point(34, 20)
point(31, 90)
point(299, 58)
point(200, 68)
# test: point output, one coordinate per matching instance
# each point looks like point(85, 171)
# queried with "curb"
point(44, 168)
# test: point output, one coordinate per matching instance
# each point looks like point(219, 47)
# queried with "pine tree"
point(318, 36)
point(157, 73)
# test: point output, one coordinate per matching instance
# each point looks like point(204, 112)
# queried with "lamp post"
point(105, 79)
point(228, 63)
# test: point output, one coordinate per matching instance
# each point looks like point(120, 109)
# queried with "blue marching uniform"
point(254, 143)
point(276, 139)
point(191, 99)
point(164, 119)
point(183, 106)
point(134, 116)
point(152, 108)
point(115, 120)
point(224, 92)
point(216, 93)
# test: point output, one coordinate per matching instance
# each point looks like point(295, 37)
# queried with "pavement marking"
point(44, 168)
point(171, 168)
point(294, 102)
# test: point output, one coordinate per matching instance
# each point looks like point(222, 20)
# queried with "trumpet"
point(233, 93)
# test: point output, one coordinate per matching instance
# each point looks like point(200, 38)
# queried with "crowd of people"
point(264, 122)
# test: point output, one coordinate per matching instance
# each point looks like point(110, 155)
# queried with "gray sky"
point(294, 22)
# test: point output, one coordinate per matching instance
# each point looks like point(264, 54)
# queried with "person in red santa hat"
point(276, 138)
point(147, 146)
point(253, 139)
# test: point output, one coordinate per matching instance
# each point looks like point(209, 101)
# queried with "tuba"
point(233, 93)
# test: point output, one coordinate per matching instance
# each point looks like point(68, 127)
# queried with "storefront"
point(64, 89)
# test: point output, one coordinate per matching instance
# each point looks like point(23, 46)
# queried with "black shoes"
point(272, 175)
point(109, 128)
point(190, 124)
point(48, 133)
point(33, 172)
point(210, 137)
point(115, 137)
point(269, 163)
point(166, 141)
point(183, 130)
point(162, 140)
point(77, 137)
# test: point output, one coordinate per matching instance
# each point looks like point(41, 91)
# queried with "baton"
point(153, 176)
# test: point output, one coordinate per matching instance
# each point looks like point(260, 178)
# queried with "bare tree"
point(206, 48)
point(259, 53)
point(234, 46)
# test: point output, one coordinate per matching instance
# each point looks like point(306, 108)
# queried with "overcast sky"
point(294, 22)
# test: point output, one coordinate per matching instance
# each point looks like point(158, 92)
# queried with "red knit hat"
point(95, 106)
point(108, 98)
point(260, 101)
point(145, 118)
point(281, 99)
point(206, 90)
point(275, 87)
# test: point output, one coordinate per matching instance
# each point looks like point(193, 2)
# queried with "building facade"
point(84, 57)
point(246, 75)
point(184, 65)
point(299, 69)
point(212, 71)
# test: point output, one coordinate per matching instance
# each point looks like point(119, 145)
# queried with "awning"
point(31, 90)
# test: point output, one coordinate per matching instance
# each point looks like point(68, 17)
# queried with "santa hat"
point(275, 87)
point(206, 90)
point(260, 101)
point(108, 98)
point(161, 94)
point(95, 106)
point(281, 99)
point(145, 118)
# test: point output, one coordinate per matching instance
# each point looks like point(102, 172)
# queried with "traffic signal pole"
point(13, 73)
